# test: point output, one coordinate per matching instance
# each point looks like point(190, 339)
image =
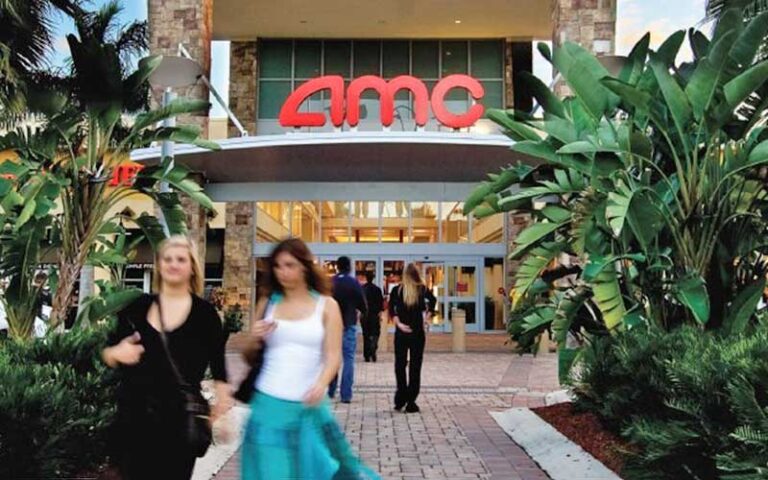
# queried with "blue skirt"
point(288, 440)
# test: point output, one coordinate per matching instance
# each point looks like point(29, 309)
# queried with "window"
point(272, 221)
point(424, 227)
point(454, 224)
point(305, 221)
point(337, 58)
point(394, 221)
point(364, 221)
point(307, 59)
point(286, 64)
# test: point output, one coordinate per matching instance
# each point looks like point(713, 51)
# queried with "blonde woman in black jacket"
point(411, 306)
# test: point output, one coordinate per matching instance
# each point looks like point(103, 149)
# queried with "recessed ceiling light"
point(457, 22)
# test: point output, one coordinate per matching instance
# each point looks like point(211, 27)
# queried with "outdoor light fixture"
point(173, 72)
point(176, 72)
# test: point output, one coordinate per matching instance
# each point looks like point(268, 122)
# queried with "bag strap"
point(166, 348)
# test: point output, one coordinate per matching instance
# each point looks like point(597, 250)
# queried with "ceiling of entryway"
point(249, 19)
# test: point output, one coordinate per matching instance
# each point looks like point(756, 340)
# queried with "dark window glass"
point(395, 59)
point(272, 95)
point(275, 59)
point(337, 58)
point(425, 59)
point(367, 58)
point(307, 59)
point(454, 55)
point(486, 59)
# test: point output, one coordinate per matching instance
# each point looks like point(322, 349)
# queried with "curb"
point(557, 455)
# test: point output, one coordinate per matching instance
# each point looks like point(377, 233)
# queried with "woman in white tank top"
point(292, 432)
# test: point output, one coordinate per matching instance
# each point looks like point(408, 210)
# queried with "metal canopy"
point(348, 156)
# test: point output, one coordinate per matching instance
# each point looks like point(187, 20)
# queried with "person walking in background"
point(410, 306)
point(292, 432)
point(371, 322)
point(349, 295)
point(161, 340)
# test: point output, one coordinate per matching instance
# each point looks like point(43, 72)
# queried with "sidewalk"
point(453, 437)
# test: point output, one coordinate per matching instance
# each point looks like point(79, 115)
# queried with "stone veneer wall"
point(242, 85)
point(239, 264)
point(189, 22)
point(590, 23)
point(239, 278)
point(509, 72)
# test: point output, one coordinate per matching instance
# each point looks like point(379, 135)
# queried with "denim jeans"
point(348, 347)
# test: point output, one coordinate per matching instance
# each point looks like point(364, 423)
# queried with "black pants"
point(148, 449)
point(408, 344)
point(371, 332)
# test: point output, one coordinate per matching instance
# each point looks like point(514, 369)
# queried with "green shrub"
point(233, 319)
point(56, 405)
point(695, 404)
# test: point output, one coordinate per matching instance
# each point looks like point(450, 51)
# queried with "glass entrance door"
point(433, 275)
point(462, 293)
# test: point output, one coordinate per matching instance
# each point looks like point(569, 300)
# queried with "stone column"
point(509, 75)
point(590, 23)
point(242, 86)
point(238, 256)
point(197, 221)
point(189, 22)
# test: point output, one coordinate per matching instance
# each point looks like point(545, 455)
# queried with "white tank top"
point(293, 359)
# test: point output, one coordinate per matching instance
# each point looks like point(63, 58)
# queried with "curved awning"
point(348, 156)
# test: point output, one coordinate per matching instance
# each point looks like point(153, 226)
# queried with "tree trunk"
point(69, 272)
point(86, 286)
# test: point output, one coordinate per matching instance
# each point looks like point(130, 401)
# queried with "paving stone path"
point(453, 437)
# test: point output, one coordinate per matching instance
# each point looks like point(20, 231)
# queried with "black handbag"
point(245, 391)
point(196, 426)
point(247, 387)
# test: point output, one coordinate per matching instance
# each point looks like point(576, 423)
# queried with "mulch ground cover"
point(587, 431)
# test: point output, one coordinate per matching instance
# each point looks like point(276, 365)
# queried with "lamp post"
point(173, 72)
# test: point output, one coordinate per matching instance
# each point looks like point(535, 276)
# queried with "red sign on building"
point(349, 110)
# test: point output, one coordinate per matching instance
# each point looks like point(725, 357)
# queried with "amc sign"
point(349, 110)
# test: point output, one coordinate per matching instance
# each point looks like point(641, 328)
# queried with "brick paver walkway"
point(453, 437)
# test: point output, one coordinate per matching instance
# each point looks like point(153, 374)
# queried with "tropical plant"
point(650, 181)
point(233, 319)
point(26, 39)
point(693, 404)
point(81, 143)
point(56, 406)
point(758, 100)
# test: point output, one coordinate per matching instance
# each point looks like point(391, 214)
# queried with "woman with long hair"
point(160, 341)
point(410, 306)
point(292, 432)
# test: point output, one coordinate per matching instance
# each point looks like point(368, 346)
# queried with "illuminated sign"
point(124, 174)
point(349, 110)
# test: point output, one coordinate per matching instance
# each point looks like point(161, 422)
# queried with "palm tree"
point(26, 39)
point(756, 105)
point(69, 160)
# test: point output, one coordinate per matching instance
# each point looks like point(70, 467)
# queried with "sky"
point(635, 17)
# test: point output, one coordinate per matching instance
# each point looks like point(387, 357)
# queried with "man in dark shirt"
point(371, 324)
point(349, 296)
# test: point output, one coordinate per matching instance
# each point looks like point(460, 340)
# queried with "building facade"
point(360, 136)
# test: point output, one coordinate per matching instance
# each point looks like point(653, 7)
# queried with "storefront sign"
point(124, 174)
point(350, 110)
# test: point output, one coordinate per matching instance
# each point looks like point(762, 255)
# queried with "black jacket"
point(413, 316)
point(349, 296)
